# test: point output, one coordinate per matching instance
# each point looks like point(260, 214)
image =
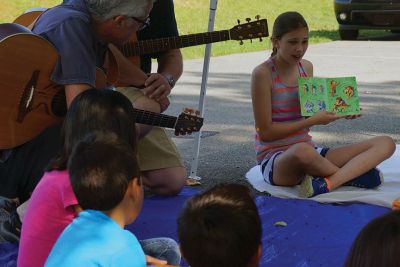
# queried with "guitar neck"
point(155, 119)
point(163, 44)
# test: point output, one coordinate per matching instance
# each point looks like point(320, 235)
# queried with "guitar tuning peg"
point(248, 19)
point(238, 21)
point(241, 42)
point(257, 17)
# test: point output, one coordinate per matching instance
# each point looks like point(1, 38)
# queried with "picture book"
point(337, 94)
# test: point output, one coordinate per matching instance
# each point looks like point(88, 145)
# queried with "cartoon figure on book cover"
point(309, 106)
point(333, 84)
point(349, 91)
point(314, 89)
point(305, 88)
point(340, 105)
point(321, 105)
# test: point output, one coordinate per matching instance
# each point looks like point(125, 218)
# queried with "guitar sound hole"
point(59, 104)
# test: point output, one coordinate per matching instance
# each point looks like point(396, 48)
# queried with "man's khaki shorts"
point(156, 150)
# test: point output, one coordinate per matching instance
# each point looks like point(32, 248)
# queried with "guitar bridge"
point(25, 103)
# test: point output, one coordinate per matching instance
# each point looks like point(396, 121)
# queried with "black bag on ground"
point(10, 224)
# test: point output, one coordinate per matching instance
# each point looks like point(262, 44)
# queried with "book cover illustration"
point(337, 94)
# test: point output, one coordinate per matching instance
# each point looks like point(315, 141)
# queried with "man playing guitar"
point(80, 30)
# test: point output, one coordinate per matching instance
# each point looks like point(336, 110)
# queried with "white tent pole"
point(206, 64)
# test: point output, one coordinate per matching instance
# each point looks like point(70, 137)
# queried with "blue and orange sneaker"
point(312, 186)
point(371, 179)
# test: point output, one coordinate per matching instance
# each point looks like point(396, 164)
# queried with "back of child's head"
point(378, 243)
point(95, 110)
point(220, 228)
point(100, 169)
point(287, 22)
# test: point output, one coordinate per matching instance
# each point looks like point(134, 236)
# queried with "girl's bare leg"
point(340, 164)
point(300, 159)
point(359, 158)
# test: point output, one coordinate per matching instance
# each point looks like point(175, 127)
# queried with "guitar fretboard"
point(156, 119)
point(162, 44)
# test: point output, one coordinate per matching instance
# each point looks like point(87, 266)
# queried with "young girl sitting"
point(285, 151)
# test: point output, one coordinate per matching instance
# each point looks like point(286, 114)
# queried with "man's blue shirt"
point(69, 28)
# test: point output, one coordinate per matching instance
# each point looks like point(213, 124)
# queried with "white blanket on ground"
point(381, 196)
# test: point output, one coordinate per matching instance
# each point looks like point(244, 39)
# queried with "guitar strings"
point(156, 45)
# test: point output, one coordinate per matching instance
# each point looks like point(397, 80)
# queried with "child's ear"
point(254, 262)
point(133, 199)
point(134, 188)
point(275, 42)
point(136, 184)
point(135, 191)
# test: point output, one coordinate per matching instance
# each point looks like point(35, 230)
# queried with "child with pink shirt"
point(53, 204)
point(51, 208)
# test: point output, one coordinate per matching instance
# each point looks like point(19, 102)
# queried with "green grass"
point(193, 15)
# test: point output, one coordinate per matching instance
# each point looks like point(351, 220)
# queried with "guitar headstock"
point(188, 121)
point(249, 30)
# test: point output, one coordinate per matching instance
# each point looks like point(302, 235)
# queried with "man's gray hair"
point(106, 9)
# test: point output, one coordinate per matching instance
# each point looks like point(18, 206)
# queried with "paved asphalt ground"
point(226, 151)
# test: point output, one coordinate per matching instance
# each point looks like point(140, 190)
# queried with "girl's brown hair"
point(287, 22)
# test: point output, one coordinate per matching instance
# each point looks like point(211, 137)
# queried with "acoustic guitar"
point(30, 102)
point(125, 59)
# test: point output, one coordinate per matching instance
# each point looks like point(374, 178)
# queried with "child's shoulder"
point(262, 69)
point(307, 64)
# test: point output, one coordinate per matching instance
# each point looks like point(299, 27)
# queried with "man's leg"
point(159, 159)
point(161, 165)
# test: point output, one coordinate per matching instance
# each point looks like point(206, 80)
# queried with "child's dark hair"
point(378, 243)
point(287, 22)
point(100, 168)
point(94, 110)
point(220, 228)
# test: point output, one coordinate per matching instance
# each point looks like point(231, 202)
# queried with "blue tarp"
point(315, 235)
point(8, 254)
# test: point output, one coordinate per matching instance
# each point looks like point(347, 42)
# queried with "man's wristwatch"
point(170, 79)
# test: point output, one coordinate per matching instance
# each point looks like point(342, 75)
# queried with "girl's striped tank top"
point(285, 108)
